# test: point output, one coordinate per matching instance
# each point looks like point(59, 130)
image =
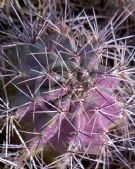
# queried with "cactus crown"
point(64, 87)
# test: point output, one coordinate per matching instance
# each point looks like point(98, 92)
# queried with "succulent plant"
point(67, 91)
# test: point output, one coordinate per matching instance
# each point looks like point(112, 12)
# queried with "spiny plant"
point(67, 89)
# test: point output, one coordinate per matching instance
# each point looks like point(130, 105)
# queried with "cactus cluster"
point(66, 90)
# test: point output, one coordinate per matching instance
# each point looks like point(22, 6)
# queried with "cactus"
point(67, 91)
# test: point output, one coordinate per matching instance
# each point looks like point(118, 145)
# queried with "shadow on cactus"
point(65, 92)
